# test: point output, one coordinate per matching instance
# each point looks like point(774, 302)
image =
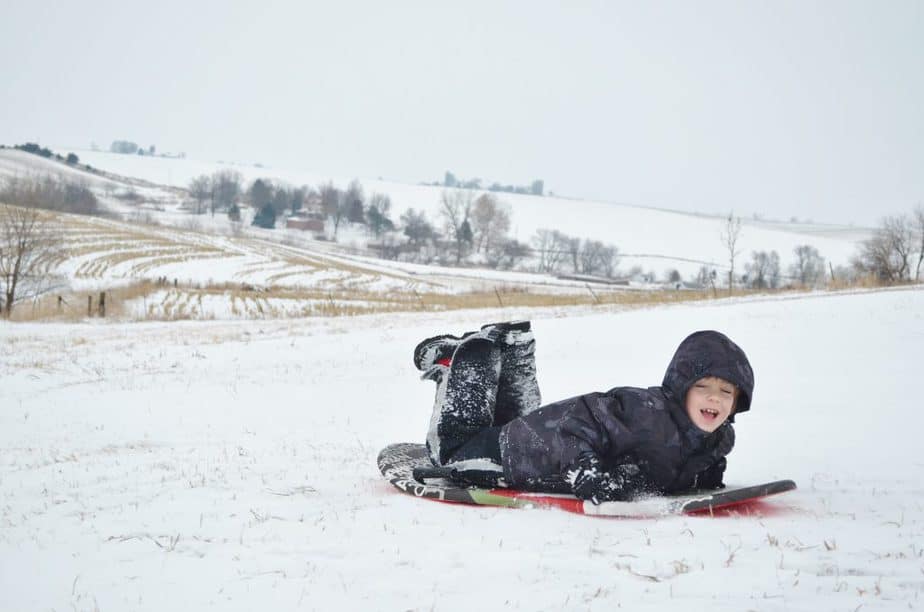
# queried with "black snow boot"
point(517, 389)
point(466, 392)
point(439, 349)
point(436, 350)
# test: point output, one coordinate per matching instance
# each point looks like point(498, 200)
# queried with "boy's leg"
point(478, 461)
point(466, 393)
point(518, 390)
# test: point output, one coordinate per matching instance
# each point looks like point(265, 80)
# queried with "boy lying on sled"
point(489, 427)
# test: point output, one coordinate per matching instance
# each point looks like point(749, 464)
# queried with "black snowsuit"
point(615, 445)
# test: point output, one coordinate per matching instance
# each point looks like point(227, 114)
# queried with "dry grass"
point(150, 301)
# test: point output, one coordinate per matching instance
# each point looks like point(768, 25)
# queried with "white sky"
point(808, 109)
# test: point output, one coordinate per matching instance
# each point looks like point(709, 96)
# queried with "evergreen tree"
point(266, 218)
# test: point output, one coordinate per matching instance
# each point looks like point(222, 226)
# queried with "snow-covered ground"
point(231, 465)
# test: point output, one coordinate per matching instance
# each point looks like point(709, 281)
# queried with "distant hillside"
point(652, 238)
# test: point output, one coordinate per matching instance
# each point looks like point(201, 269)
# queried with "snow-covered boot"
point(517, 390)
point(466, 392)
point(436, 350)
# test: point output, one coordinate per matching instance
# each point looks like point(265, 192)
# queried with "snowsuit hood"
point(709, 353)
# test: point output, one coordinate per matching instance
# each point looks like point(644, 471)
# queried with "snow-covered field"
point(231, 465)
point(653, 239)
point(205, 258)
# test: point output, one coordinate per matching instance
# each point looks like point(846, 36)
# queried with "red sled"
point(397, 463)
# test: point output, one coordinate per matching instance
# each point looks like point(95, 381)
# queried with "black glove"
point(711, 477)
point(589, 481)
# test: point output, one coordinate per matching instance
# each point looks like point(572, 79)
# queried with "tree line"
point(896, 250)
point(473, 229)
point(224, 191)
point(35, 149)
point(894, 254)
point(537, 187)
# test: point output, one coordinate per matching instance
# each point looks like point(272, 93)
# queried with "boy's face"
point(710, 402)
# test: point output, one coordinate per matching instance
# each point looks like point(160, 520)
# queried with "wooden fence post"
point(596, 301)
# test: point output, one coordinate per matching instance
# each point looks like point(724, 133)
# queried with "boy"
point(489, 427)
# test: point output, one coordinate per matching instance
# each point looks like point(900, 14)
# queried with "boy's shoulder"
point(644, 395)
point(646, 399)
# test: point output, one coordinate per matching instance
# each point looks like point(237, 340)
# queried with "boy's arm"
point(594, 430)
point(705, 470)
point(590, 481)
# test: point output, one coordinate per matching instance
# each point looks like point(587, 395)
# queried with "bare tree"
point(918, 222)
point(542, 244)
point(200, 188)
point(456, 210)
point(572, 248)
point(597, 258)
point(764, 270)
point(705, 277)
point(226, 189)
point(49, 192)
point(329, 201)
point(556, 248)
point(886, 255)
point(490, 222)
point(729, 235)
point(348, 204)
point(27, 243)
point(808, 269)
point(507, 255)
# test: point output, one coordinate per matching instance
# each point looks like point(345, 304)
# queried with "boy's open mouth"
point(709, 413)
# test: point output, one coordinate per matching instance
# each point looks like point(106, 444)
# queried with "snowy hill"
point(652, 238)
point(199, 266)
point(201, 465)
point(208, 267)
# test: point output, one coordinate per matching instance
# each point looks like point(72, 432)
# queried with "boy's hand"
point(589, 481)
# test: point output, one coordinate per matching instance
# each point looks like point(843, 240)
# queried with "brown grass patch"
point(185, 301)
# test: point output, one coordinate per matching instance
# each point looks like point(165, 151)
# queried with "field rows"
point(107, 250)
point(165, 273)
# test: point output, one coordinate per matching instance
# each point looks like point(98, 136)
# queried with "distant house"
point(309, 223)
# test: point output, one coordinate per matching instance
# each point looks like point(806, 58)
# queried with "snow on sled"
point(398, 461)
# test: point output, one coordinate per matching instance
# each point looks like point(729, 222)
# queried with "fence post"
point(597, 301)
point(89, 305)
point(102, 303)
point(497, 293)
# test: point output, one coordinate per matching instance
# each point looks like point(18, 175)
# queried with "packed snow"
point(231, 465)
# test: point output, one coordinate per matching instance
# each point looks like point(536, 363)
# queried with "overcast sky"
point(807, 109)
